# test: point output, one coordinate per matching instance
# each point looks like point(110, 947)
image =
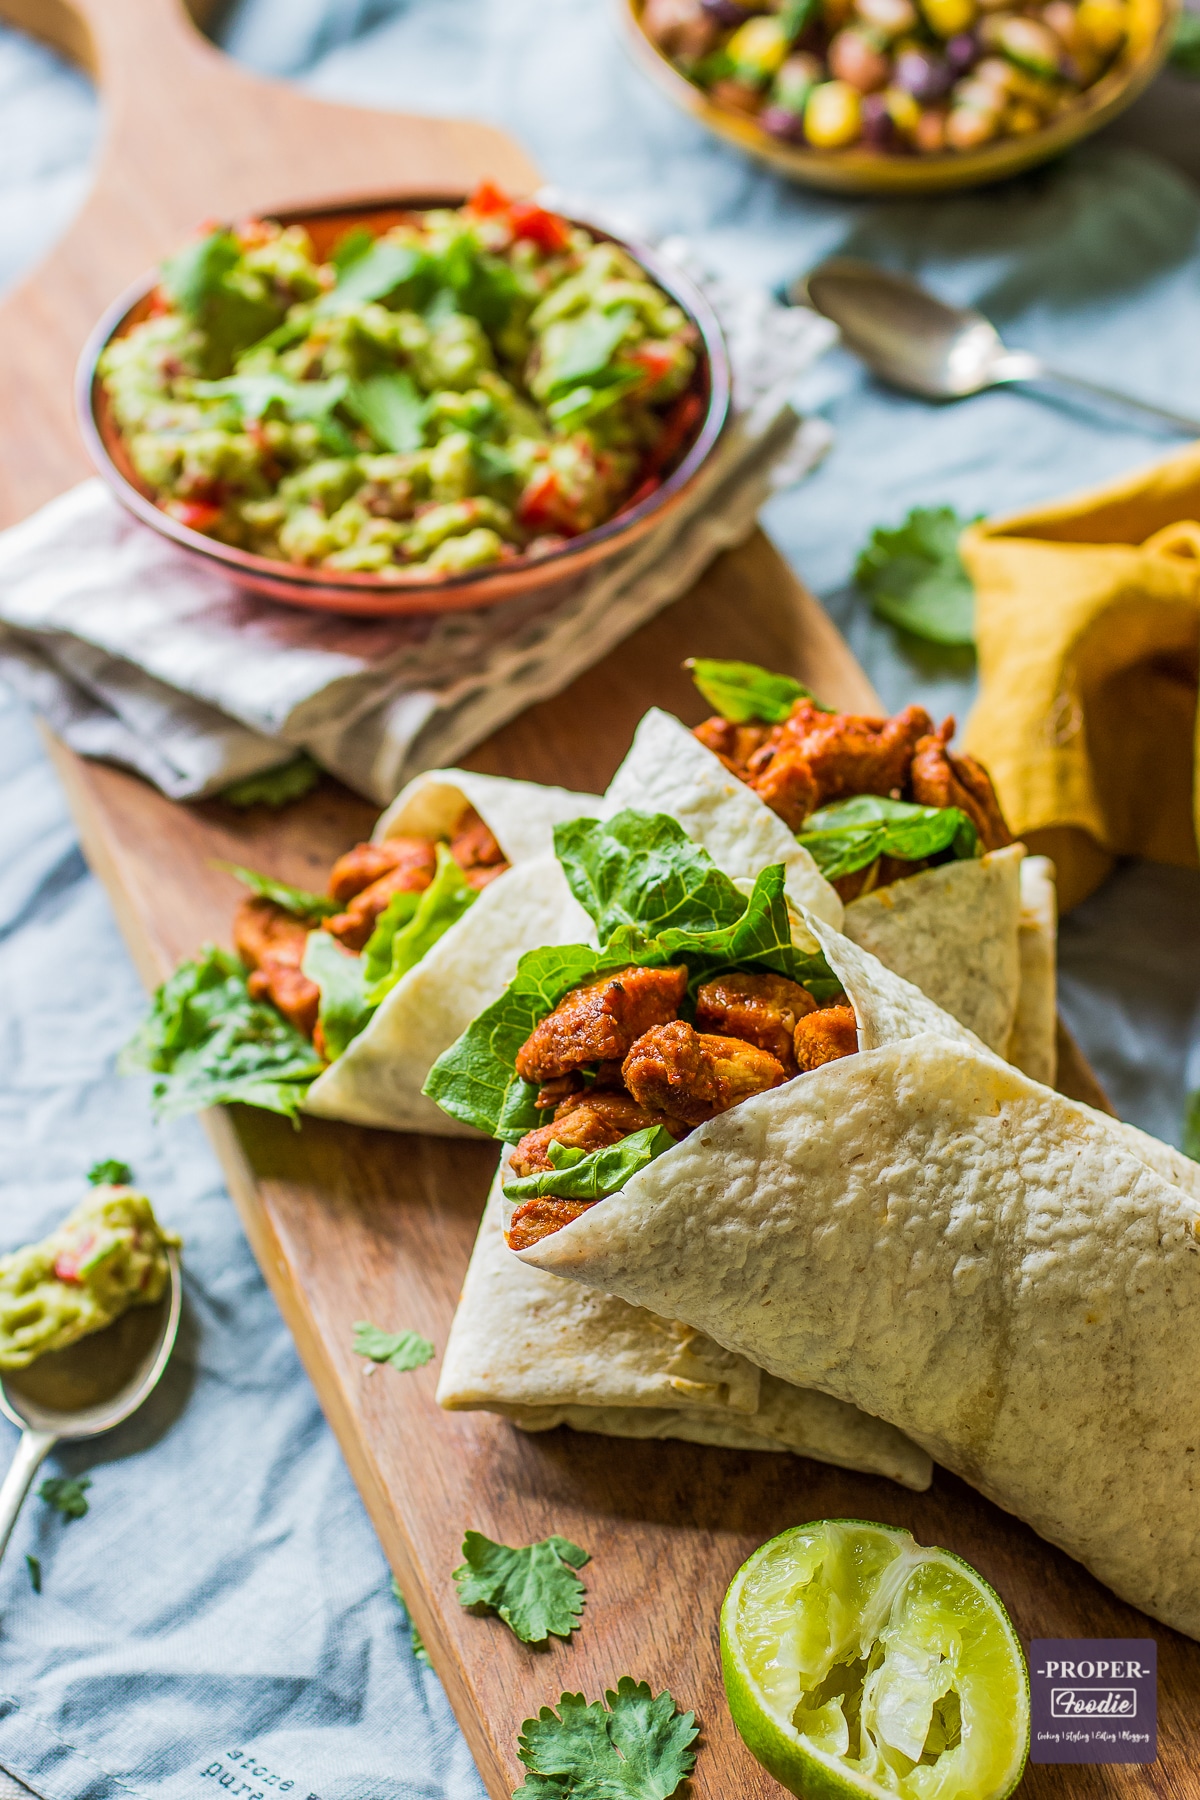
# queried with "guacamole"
point(470, 386)
point(106, 1256)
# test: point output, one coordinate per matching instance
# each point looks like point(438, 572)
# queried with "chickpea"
point(930, 135)
point(890, 18)
point(680, 27)
point(1025, 42)
point(967, 127)
point(833, 115)
point(795, 80)
point(948, 18)
point(854, 58)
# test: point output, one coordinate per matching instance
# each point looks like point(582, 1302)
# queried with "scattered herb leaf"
point(209, 1044)
point(392, 409)
point(274, 787)
point(535, 1590)
point(1185, 47)
point(356, 242)
point(232, 316)
point(401, 1349)
point(638, 1748)
point(415, 1638)
point(1191, 1126)
point(35, 1572)
point(914, 576)
point(110, 1173)
point(376, 274)
point(741, 692)
point(66, 1495)
point(591, 1176)
point(582, 350)
point(850, 834)
point(297, 901)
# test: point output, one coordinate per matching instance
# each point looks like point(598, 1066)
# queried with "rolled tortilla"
point(545, 1352)
point(1033, 1046)
point(1005, 1275)
point(377, 1080)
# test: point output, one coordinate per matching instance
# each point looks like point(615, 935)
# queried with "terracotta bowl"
point(860, 171)
point(368, 594)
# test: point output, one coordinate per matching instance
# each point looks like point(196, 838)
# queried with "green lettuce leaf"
point(405, 931)
point(110, 1173)
point(577, 1175)
point(535, 1590)
point(392, 409)
point(850, 834)
point(401, 1350)
point(742, 692)
point(643, 870)
point(638, 1748)
point(207, 1043)
point(915, 578)
point(345, 1009)
point(274, 787)
point(297, 901)
point(1185, 45)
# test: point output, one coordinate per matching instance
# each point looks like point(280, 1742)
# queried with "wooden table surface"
point(351, 1224)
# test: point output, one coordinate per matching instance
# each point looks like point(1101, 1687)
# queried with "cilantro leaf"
point(344, 1009)
point(850, 834)
point(477, 283)
point(297, 901)
point(535, 1590)
point(415, 1638)
point(274, 787)
point(1185, 46)
point(740, 691)
point(203, 280)
point(33, 1564)
point(582, 349)
point(207, 1043)
point(253, 394)
point(405, 932)
point(379, 273)
point(353, 244)
point(392, 409)
point(111, 1172)
point(914, 576)
point(576, 1176)
point(643, 870)
point(401, 1349)
point(66, 1495)
point(639, 1748)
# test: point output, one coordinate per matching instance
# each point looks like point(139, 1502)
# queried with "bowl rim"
point(371, 592)
point(854, 169)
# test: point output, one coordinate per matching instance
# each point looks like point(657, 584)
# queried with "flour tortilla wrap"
point(377, 1079)
point(951, 930)
point(544, 1352)
point(1005, 1275)
point(1033, 1046)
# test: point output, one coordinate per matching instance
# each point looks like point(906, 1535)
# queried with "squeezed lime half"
point(857, 1662)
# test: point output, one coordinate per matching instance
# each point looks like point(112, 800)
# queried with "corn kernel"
point(758, 48)
point(833, 115)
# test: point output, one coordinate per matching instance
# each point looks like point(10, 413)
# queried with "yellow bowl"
point(858, 171)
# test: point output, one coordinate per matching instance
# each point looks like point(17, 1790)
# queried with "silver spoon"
point(77, 1393)
point(920, 344)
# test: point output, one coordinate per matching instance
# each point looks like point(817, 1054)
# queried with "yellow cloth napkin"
point(1088, 625)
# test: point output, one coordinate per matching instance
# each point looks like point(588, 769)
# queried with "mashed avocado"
point(472, 385)
point(108, 1255)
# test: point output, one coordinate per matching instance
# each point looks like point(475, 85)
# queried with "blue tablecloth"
point(222, 1616)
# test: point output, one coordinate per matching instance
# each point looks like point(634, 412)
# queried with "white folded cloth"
point(139, 655)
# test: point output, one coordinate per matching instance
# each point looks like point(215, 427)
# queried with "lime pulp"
point(857, 1662)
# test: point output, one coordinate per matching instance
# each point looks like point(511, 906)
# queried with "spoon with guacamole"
point(88, 1319)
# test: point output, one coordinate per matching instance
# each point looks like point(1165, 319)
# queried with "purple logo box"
point(1094, 1700)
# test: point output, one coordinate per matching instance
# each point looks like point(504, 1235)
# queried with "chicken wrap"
point(916, 1228)
point(884, 832)
point(338, 1003)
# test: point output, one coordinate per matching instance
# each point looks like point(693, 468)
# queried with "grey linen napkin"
point(137, 655)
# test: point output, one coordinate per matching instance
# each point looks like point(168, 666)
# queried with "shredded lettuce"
point(344, 1009)
point(207, 1043)
point(297, 901)
point(742, 692)
point(581, 1175)
point(850, 834)
point(412, 925)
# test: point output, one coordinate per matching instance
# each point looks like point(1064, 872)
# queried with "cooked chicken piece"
point(734, 744)
point(599, 1022)
point(693, 1075)
point(584, 1122)
point(553, 1093)
point(881, 872)
point(939, 779)
point(851, 754)
point(760, 1009)
point(482, 874)
point(786, 783)
point(825, 1036)
point(473, 846)
point(271, 943)
point(354, 926)
point(535, 1219)
point(364, 865)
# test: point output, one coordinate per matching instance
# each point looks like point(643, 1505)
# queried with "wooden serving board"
point(352, 1224)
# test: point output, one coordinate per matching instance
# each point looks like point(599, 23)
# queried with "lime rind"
point(846, 1646)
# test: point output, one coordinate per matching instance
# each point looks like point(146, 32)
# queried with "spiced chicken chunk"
point(825, 1036)
point(761, 1009)
point(536, 1219)
point(584, 1122)
point(413, 861)
point(940, 779)
point(601, 1021)
point(271, 943)
point(474, 848)
point(693, 1075)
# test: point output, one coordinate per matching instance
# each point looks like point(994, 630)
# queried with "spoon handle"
point(31, 1453)
point(1021, 365)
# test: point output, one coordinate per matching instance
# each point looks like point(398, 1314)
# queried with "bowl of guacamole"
point(405, 408)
